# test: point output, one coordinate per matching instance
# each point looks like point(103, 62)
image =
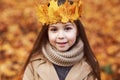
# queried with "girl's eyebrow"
point(52, 26)
point(68, 24)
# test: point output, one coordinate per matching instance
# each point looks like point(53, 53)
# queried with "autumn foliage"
point(19, 28)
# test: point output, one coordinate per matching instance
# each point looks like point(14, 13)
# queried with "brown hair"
point(43, 38)
point(88, 51)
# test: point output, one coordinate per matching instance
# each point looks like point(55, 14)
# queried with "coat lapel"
point(79, 71)
point(47, 72)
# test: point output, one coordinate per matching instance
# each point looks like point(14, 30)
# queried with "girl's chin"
point(62, 49)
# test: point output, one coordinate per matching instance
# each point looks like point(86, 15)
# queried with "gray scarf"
point(68, 58)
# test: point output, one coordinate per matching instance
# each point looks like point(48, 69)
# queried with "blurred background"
point(19, 29)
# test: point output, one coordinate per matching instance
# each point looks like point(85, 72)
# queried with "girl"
point(62, 52)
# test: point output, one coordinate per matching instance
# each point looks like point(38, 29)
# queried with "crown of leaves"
point(53, 13)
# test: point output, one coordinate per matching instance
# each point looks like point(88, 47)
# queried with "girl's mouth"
point(61, 42)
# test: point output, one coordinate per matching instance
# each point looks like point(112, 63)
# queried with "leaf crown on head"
point(52, 12)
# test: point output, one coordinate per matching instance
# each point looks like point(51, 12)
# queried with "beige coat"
point(41, 69)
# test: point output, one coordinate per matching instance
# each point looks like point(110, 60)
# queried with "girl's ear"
point(77, 34)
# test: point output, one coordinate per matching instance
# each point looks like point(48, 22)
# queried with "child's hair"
point(43, 38)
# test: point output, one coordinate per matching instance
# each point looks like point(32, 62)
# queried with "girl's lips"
point(61, 42)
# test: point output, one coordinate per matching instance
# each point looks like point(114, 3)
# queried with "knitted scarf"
point(67, 58)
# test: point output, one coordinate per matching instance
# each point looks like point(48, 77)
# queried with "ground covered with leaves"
point(19, 29)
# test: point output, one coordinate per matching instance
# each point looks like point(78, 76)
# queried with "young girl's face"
point(62, 35)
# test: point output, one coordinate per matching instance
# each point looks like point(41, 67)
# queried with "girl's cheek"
point(72, 35)
point(52, 36)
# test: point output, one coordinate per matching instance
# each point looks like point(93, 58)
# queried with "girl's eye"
point(53, 29)
point(68, 28)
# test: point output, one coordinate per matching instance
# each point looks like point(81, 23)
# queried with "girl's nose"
point(61, 35)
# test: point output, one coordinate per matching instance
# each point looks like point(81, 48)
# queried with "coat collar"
point(46, 70)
